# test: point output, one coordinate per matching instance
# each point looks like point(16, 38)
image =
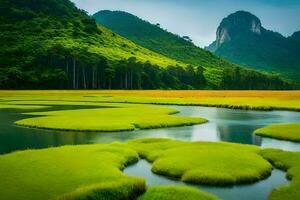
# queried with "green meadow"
point(290, 132)
point(204, 162)
point(248, 100)
point(94, 172)
point(70, 172)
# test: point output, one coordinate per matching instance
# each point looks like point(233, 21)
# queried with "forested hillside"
point(242, 39)
point(52, 43)
point(155, 38)
point(161, 41)
point(47, 44)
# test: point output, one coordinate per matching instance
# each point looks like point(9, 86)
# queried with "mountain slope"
point(155, 38)
point(242, 39)
point(53, 44)
point(180, 48)
point(49, 44)
point(45, 23)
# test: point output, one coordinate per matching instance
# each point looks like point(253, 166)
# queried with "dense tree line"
point(63, 68)
point(77, 69)
point(239, 78)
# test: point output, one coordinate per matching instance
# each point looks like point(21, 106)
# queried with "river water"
point(224, 125)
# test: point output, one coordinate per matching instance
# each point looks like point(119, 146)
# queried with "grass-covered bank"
point(175, 193)
point(290, 132)
point(255, 100)
point(290, 162)
point(204, 162)
point(111, 117)
point(70, 172)
point(95, 171)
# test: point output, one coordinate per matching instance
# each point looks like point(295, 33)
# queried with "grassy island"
point(290, 132)
point(204, 162)
point(110, 117)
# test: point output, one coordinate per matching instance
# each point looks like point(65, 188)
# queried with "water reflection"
point(224, 125)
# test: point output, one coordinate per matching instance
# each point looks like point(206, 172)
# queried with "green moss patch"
point(70, 172)
point(204, 162)
point(121, 118)
point(290, 162)
point(175, 193)
point(290, 132)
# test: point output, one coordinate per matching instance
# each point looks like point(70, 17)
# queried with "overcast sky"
point(199, 19)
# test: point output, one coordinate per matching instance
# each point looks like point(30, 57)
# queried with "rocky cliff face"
point(237, 24)
point(242, 39)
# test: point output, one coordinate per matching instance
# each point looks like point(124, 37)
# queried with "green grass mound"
point(120, 118)
point(290, 132)
point(290, 162)
point(204, 162)
point(114, 191)
point(70, 172)
point(175, 193)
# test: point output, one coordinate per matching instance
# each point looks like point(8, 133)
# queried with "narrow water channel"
point(256, 191)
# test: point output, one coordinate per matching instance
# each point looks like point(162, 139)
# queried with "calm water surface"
point(224, 125)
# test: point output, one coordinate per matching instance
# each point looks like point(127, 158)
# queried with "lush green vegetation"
point(70, 172)
point(175, 193)
point(111, 117)
point(289, 132)
point(53, 44)
point(218, 73)
point(153, 37)
point(260, 48)
point(204, 162)
point(290, 162)
point(252, 100)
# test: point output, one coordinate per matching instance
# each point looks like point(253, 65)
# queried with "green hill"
point(153, 37)
point(51, 44)
point(242, 39)
point(41, 37)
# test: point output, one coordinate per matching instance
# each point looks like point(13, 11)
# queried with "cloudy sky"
point(199, 19)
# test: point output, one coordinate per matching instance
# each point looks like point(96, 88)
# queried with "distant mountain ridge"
point(242, 39)
point(157, 39)
point(153, 37)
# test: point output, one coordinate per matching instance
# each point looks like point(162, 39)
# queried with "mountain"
point(51, 44)
point(47, 42)
point(155, 38)
point(242, 39)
